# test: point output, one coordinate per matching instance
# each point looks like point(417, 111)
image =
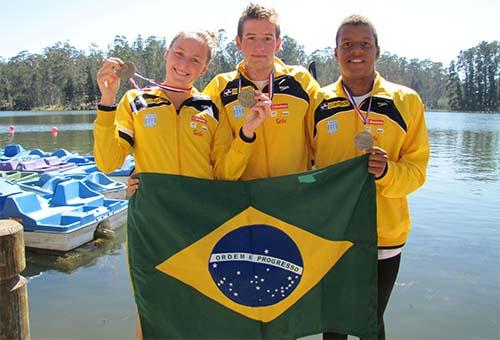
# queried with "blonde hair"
point(206, 36)
point(259, 12)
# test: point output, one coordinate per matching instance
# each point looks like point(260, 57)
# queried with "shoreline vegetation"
point(64, 78)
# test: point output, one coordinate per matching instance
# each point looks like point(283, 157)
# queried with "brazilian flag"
point(283, 257)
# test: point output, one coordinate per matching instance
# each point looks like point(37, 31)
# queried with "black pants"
point(387, 273)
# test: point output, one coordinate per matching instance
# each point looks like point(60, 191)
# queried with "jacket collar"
point(339, 89)
point(279, 68)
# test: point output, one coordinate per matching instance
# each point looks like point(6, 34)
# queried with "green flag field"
point(276, 258)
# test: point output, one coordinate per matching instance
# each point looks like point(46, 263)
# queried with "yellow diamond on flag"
point(255, 264)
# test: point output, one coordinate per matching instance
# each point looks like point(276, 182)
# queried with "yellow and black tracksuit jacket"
point(191, 141)
point(281, 146)
point(396, 122)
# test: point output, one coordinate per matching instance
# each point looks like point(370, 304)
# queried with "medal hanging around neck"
point(246, 96)
point(363, 140)
point(128, 71)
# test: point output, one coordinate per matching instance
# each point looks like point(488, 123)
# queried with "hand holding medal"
point(259, 109)
point(377, 157)
point(109, 81)
point(258, 103)
point(246, 97)
point(126, 71)
point(363, 140)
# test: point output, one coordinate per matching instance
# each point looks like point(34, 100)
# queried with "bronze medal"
point(363, 140)
point(127, 70)
point(247, 97)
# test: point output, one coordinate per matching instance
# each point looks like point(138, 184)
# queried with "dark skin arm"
point(377, 161)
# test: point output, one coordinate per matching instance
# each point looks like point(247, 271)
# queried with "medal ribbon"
point(270, 85)
point(163, 86)
point(364, 117)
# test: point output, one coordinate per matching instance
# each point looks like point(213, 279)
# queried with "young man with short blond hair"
point(280, 145)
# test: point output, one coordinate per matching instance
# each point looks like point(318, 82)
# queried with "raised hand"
point(108, 80)
point(258, 113)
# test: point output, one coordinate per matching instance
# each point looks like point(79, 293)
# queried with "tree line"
point(63, 77)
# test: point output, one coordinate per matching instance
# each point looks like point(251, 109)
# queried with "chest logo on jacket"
point(230, 92)
point(198, 119)
point(332, 126)
point(198, 128)
point(150, 120)
point(279, 106)
point(198, 133)
point(334, 104)
point(376, 121)
point(238, 111)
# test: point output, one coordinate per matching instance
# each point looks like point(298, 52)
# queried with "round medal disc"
point(363, 140)
point(127, 70)
point(247, 97)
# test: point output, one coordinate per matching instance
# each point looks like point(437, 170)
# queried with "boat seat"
point(61, 153)
point(52, 160)
point(33, 165)
point(50, 185)
point(100, 182)
point(28, 207)
point(6, 189)
point(8, 165)
point(73, 192)
point(39, 152)
point(12, 150)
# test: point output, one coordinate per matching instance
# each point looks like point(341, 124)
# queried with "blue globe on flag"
point(256, 265)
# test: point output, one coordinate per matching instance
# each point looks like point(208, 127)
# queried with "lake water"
point(449, 282)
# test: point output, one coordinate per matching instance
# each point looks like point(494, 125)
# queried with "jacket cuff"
point(245, 138)
point(384, 178)
point(105, 115)
point(106, 108)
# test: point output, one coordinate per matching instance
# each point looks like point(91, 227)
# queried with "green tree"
point(20, 72)
point(326, 66)
point(225, 58)
point(454, 89)
point(65, 76)
point(466, 66)
point(94, 61)
point(291, 52)
point(153, 60)
point(492, 75)
point(69, 92)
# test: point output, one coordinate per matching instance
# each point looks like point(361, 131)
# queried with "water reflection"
point(469, 154)
point(40, 261)
point(37, 122)
point(34, 130)
point(80, 141)
point(9, 114)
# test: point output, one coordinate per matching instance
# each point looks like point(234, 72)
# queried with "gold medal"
point(247, 97)
point(363, 140)
point(127, 70)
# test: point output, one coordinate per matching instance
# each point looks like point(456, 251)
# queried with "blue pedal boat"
point(96, 181)
point(64, 221)
point(11, 151)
